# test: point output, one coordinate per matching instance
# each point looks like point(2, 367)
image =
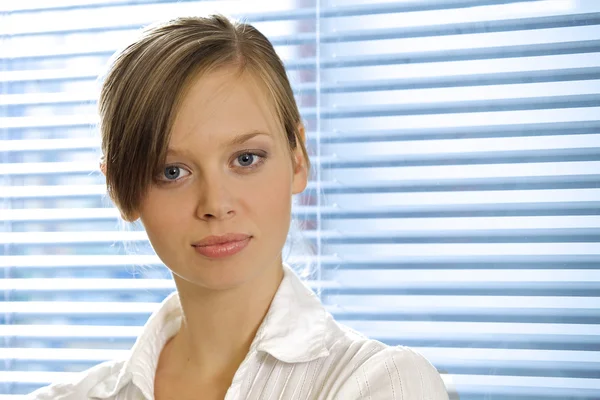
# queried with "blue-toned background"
point(454, 205)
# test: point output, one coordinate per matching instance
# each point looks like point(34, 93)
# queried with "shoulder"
point(77, 388)
point(396, 373)
point(373, 370)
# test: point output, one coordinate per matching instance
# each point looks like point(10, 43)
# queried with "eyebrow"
point(245, 137)
point(240, 139)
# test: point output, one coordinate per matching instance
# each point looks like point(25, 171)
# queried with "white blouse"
point(299, 352)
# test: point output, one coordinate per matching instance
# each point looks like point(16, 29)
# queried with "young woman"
point(203, 142)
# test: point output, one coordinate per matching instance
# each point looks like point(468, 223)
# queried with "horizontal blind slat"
point(351, 9)
point(516, 24)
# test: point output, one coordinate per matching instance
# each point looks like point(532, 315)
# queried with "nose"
point(215, 201)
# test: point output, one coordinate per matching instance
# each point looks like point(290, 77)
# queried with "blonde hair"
point(146, 82)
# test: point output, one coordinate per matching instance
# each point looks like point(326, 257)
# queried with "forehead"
point(221, 104)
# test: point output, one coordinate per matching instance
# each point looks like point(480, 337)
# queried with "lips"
point(221, 239)
point(222, 246)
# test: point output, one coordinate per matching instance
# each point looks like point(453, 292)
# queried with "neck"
point(218, 327)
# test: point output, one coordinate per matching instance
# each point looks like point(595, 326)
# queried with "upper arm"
point(394, 373)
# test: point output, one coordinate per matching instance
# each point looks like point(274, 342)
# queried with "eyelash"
point(261, 155)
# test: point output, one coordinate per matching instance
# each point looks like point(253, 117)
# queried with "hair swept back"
point(146, 81)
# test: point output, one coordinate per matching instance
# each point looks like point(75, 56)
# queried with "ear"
point(301, 134)
point(300, 178)
point(103, 167)
point(133, 218)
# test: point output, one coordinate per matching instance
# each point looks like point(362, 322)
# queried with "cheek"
point(269, 198)
point(274, 201)
point(162, 217)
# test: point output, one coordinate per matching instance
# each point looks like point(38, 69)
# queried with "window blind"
point(454, 203)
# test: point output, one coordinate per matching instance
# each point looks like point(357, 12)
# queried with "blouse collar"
point(293, 331)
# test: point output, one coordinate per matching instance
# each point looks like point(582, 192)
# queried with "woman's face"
point(228, 171)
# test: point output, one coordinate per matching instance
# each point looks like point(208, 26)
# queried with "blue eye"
point(172, 172)
point(250, 160)
point(246, 159)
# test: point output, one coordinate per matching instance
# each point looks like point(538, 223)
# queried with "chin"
point(221, 274)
